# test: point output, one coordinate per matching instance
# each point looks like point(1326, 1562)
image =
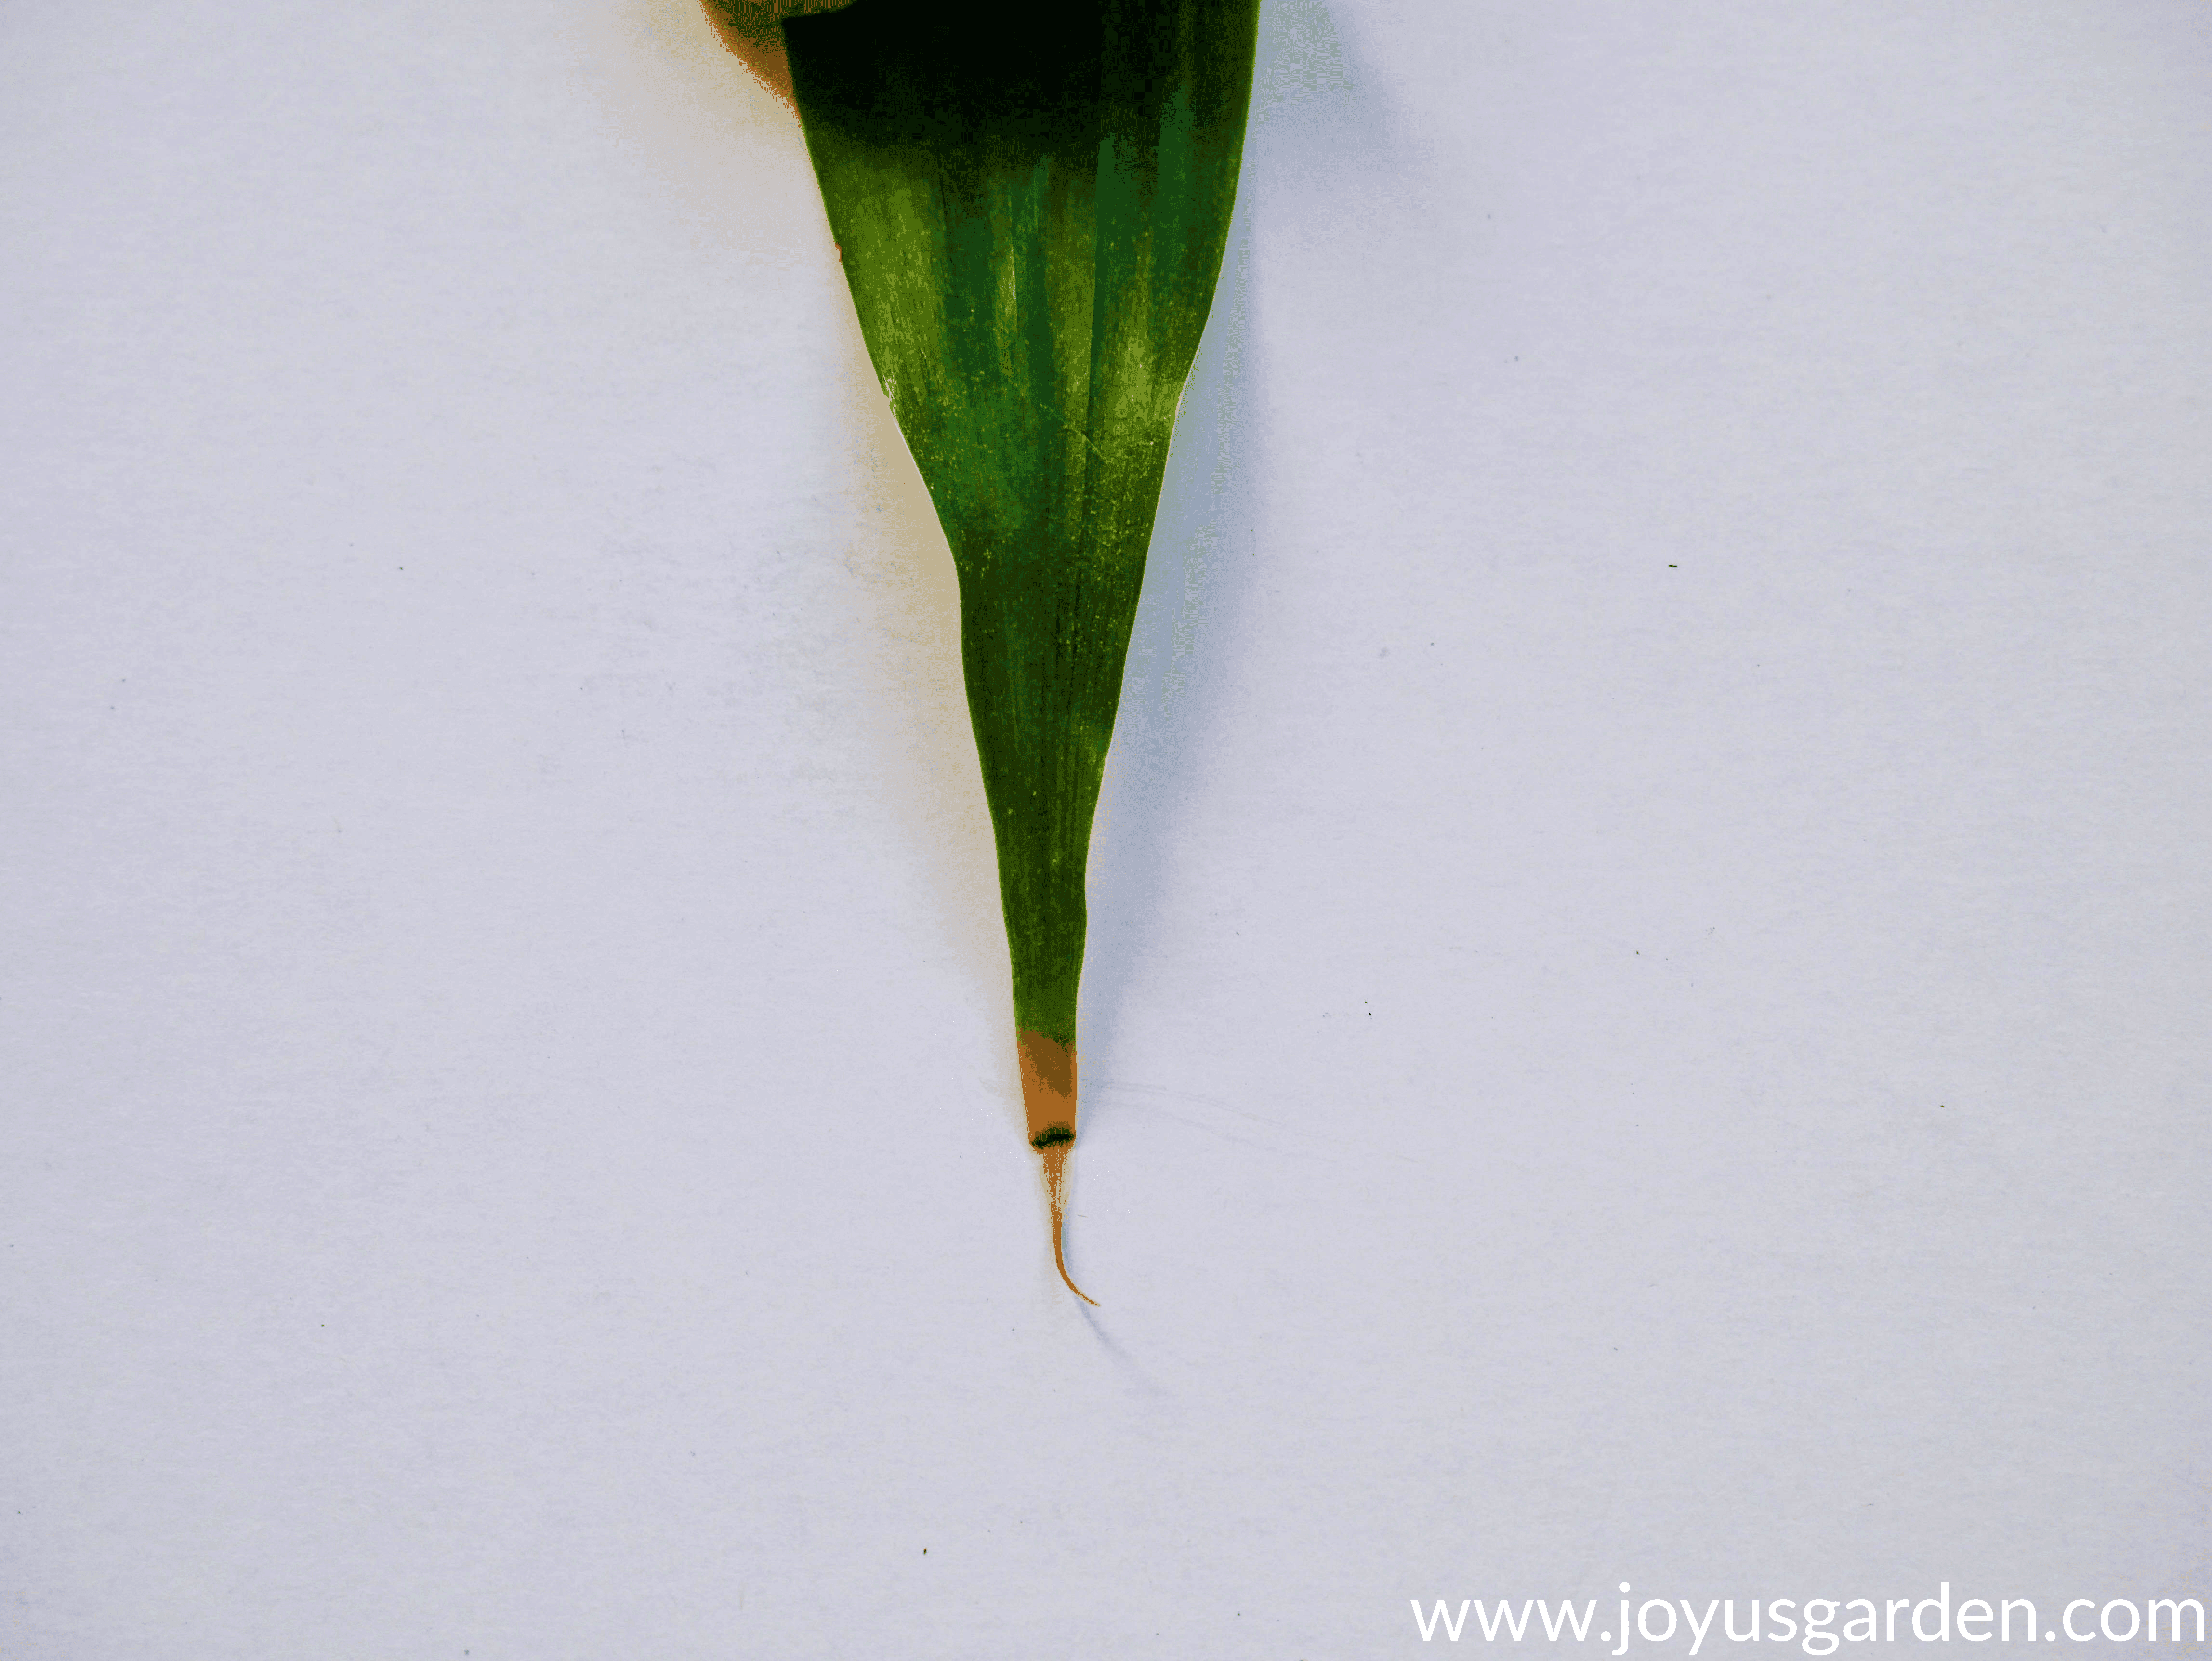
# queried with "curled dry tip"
point(1048, 1102)
point(1055, 1188)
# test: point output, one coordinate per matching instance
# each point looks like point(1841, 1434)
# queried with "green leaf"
point(1031, 205)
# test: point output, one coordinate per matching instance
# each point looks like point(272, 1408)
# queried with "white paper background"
point(1645, 1018)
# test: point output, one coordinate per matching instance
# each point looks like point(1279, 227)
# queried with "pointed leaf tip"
point(1055, 1188)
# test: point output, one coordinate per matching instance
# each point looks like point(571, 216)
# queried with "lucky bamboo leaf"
point(1031, 205)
